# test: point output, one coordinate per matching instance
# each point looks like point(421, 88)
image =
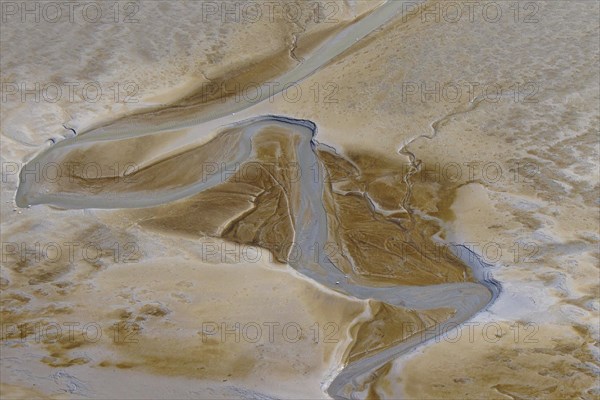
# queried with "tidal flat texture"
point(300, 199)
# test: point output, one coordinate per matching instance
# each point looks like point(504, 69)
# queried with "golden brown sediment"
point(372, 235)
point(240, 76)
point(391, 325)
point(19, 392)
point(252, 206)
point(264, 214)
point(552, 285)
point(551, 352)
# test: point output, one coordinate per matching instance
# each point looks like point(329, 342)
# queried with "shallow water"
point(301, 221)
point(347, 193)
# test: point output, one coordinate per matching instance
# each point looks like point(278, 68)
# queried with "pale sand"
point(558, 290)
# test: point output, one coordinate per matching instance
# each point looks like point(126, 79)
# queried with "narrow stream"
point(309, 218)
point(310, 227)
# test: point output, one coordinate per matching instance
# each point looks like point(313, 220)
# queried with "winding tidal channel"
point(301, 192)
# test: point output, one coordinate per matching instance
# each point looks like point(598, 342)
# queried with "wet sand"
point(341, 181)
point(278, 205)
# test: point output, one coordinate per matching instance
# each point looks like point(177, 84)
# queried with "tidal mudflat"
point(339, 199)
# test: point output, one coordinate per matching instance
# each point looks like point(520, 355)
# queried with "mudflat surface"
point(371, 200)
